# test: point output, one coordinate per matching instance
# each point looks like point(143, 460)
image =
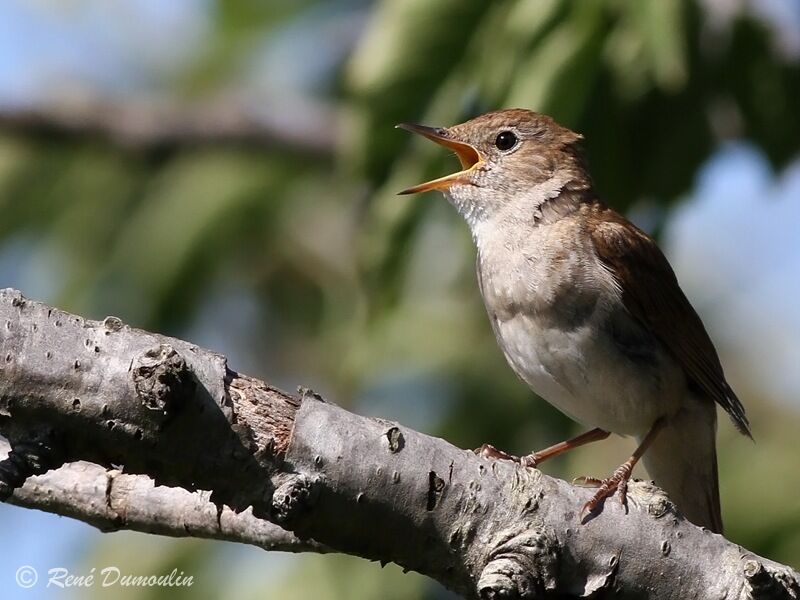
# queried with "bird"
point(586, 308)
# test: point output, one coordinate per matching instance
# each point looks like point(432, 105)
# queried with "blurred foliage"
point(642, 81)
point(305, 268)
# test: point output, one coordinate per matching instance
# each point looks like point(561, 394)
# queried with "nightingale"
point(586, 308)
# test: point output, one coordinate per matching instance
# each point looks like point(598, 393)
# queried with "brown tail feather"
point(683, 462)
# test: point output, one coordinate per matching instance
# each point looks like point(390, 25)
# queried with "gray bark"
point(175, 414)
point(112, 500)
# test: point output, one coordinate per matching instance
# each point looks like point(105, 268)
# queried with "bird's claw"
point(585, 481)
point(489, 451)
point(618, 482)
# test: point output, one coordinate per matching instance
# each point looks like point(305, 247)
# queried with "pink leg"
point(619, 479)
point(536, 458)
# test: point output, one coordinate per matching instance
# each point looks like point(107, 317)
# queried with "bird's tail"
point(683, 462)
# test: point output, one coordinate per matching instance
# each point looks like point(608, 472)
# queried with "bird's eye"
point(505, 140)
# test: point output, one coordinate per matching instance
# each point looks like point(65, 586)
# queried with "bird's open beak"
point(467, 155)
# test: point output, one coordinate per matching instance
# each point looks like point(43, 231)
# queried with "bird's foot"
point(618, 482)
point(489, 451)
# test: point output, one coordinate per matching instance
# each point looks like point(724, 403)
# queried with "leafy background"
point(282, 244)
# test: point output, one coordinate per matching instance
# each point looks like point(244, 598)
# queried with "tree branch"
point(77, 390)
point(112, 500)
point(146, 125)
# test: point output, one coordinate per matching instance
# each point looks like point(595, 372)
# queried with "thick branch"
point(75, 390)
point(146, 125)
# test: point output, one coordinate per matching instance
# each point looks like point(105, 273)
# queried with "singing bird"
point(586, 308)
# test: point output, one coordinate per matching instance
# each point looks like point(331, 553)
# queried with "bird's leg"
point(536, 458)
point(619, 479)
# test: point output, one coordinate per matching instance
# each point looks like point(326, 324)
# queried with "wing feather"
point(652, 295)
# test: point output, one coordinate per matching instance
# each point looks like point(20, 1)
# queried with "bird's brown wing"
point(651, 293)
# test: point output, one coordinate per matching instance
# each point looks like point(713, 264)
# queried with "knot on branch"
point(305, 392)
point(521, 565)
point(113, 324)
point(25, 459)
point(395, 441)
point(162, 379)
point(771, 583)
point(653, 497)
point(293, 498)
point(17, 299)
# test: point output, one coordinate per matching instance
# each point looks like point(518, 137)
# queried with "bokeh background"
point(225, 171)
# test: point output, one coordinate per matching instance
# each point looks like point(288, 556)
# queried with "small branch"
point(145, 125)
point(174, 414)
point(112, 500)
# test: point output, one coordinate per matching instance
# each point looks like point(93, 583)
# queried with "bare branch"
point(112, 500)
point(144, 125)
point(74, 390)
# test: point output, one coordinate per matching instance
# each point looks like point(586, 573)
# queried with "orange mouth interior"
point(467, 156)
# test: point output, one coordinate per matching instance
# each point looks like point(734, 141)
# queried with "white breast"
point(582, 374)
point(554, 310)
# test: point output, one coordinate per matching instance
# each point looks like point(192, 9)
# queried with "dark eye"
point(505, 140)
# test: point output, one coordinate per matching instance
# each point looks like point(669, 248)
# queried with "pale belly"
point(591, 376)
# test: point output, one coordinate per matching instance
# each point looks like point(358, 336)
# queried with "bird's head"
point(512, 161)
